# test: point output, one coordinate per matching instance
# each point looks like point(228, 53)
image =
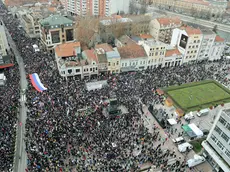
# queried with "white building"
point(217, 48)
point(207, 41)
point(217, 145)
point(188, 41)
point(4, 47)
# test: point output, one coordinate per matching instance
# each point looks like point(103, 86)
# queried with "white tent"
point(172, 121)
point(196, 130)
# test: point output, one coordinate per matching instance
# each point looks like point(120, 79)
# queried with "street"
point(20, 159)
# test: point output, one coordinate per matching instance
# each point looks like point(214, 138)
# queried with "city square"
point(116, 92)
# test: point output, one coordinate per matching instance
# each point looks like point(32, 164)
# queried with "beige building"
point(161, 28)
point(188, 40)
point(155, 51)
point(55, 30)
point(191, 7)
point(113, 57)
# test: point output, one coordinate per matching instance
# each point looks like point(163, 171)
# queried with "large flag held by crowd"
point(36, 82)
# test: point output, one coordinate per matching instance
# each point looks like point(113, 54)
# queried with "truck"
point(203, 112)
point(184, 147)
point(195, 161)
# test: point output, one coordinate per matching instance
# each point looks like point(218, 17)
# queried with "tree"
point(133, 9)
point(86, 28)
point(215, 29)
point(143, 9)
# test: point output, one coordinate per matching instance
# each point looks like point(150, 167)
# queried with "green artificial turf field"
point(198, 95)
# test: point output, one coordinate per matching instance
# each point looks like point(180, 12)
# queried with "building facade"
point(161, 28)
point(55, 30)
point(4, 46)
point(216, 146)
point(155, 51)
point(96, 7)
point(173, 57)
point(188, 41)
point(208, 38)
point(217, 48)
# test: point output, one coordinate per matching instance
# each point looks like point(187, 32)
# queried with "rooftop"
point(201, 2)
point(112, 54)
point(154, 43)
point(132, 51)
point(56, 20)
point(114, 21)
point(106, 47)
point(169, 20)
point(219, 39)
point(67, 49)
point(91, 56)
point(146, 36)
point(190, 30)
point(172, 52)
point(126, 40)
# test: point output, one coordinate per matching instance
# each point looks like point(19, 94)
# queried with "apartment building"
point(217, 145)
point(55, 30)
point(188, 40)
point(4, 46)
point(161, 28)
point(190, 6)
point(208, 38)
point(96, 7)
point(155, 51)
point(216, 52)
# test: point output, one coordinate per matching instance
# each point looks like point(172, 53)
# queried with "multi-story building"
point(161, 28)
point(217, 48)
point(102, 61)
point(68, 58)
point(216, 146)
point(155, 51)
point(206, 42)
point(112, 55)
point(173, 57)
point(55, 30)
point(188, 41)
point(4, 46)
point(96, 7)
point(197, 7)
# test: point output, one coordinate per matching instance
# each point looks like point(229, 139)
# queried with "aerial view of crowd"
point(58, 138)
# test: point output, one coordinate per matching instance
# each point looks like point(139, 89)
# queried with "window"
point(193, 46)
point(151, 49)
point(143, 62)
point(63, 72)
point(156, 53)
point(117, 62)
point(77, 70)
point(221, 146)
point(114, 64)
point(222, 121)
point(227, 153)
point(189, 47)
point(157, 48)
point(109, 64)
point(191, 51)
point(91, 69)
point(196, 46)
point(213, 138)
point(188, 52)
point(194, 41)
point(225, 137)
point(149, 62)
point(198, 41)
point(96, 68)
point(218, 130)
point(70, 71)
point(195, 51)
point(228, 126)
point(122, 64)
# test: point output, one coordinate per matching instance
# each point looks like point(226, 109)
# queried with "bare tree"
point(143, 9)
point(86, 27)
point(133, 9)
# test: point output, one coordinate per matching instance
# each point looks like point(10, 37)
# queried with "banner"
point(36, 82)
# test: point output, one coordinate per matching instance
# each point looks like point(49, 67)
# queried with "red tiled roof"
point(66, 49)
point(131, 51)
point(191, 30)
point(171, 52)
point(6, 65)
point(91, 56)
point(104, 46)
point(145, 36)
point(219, 39)
point(169, 20)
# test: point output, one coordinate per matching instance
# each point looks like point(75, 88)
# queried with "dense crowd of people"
point(58, 138)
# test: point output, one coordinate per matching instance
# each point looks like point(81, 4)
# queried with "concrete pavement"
point(20, 159)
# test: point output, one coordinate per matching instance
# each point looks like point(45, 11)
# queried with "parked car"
point(203, 112)
point(195, 161)
point(178, 140)
point(184, 147)
point(189, 116)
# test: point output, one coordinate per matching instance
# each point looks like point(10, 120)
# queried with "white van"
point(195, 161)
point(203, 112)
point(184, 147)
point(36, 49)
point(189, 116)
point(178, 140)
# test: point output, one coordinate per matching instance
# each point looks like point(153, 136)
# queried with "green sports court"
point(198, 95)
